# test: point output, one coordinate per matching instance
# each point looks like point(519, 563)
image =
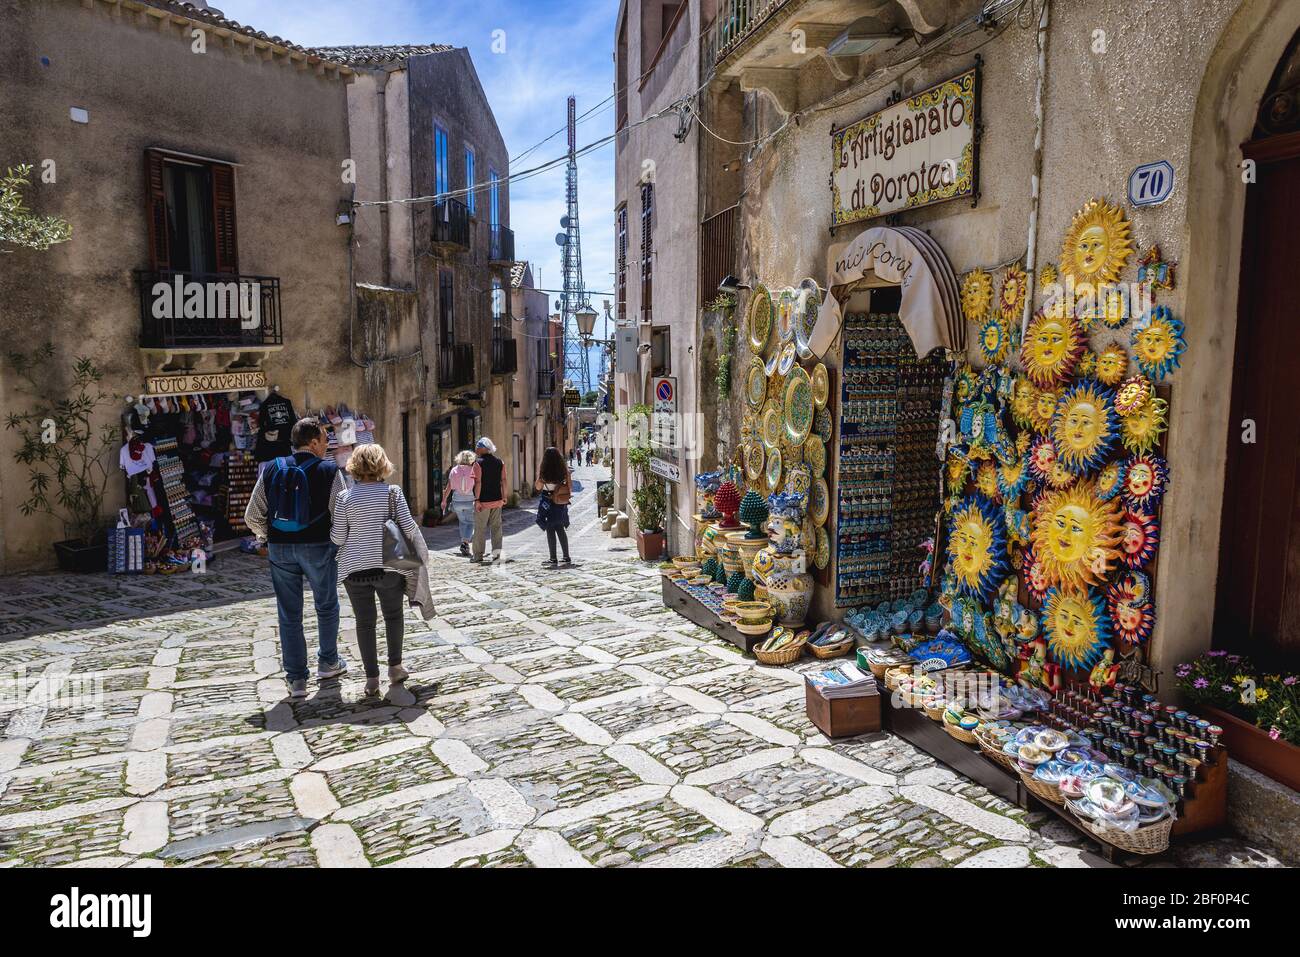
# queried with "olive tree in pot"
point(67, 450)
point(649, 502)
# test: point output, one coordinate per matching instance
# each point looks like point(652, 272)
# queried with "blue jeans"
point(290, 564)
point(465, 516)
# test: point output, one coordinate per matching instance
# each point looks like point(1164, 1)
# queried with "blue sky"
point(552, 48)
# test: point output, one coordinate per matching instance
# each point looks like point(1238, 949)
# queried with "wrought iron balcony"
point(450, 225)
point(501, 244)
point(186, 310)
point(739, 19)
point(545, 383)
point(505, 355)
point(456, 368)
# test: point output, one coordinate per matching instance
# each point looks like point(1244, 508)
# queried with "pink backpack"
point(462, 479)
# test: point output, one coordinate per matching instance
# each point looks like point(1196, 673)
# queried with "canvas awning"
point(931, 305)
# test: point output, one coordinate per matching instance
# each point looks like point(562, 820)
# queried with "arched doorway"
point(1258, 602)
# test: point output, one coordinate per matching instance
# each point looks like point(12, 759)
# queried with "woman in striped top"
point(358, 531)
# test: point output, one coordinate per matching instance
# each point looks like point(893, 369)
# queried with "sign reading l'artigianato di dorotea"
point(919, 151)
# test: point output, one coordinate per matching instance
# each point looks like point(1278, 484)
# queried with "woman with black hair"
point(556, 488)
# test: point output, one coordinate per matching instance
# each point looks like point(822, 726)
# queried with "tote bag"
point(398, 553)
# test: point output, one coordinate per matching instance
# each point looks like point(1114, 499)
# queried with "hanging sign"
point(1151, 183)
point(667, 470)
point(572, 399)
point(919, 151)
point(196, 383)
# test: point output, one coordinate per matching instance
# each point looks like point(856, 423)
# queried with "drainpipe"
point(1031, 256)
point(381, 88)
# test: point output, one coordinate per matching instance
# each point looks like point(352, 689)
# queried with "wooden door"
point(1258, 607)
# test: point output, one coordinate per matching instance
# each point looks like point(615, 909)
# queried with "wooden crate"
point(842, 717)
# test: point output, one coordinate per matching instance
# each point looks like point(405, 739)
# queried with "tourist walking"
point(555, 484)
point(462, 486)
point(360, 516)
point(489, 500)
point(290, 510)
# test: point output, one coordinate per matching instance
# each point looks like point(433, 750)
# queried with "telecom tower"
point(577, 367)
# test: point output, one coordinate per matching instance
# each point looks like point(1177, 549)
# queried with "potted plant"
point(649, 502)
point(67, 449)
point(1259, 712)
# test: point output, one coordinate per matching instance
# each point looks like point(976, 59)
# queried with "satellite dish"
point(564, 222)
point(561, 239)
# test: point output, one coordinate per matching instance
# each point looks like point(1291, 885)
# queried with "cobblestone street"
point(552, 718)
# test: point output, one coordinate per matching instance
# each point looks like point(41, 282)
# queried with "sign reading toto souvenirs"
point(919, 151)
point(194, 383)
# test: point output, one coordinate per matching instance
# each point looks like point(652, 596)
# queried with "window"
point(660, 351)
point(191, 214)
point(469, 178)
point(494, 197)
point(446, 313)
point(647, 250)
point(620, 244)
point(441, 170)
point(498, 306)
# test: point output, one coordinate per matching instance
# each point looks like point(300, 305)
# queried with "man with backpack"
point(290, 509)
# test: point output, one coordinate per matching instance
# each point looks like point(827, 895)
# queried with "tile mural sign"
point(916, 152)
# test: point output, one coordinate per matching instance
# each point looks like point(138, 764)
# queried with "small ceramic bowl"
point(1031, 754)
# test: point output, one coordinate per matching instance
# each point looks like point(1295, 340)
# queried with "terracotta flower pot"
point(649, 545)
point(1252, 746)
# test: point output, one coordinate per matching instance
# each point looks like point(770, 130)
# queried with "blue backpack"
point(290, 496)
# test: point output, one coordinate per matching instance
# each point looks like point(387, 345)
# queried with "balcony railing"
point(505, 355)
point(234, 311)
point(736, 20)
point(451, 224)
point(501, 244)
point(546, 383)
point(456, 367)
point(717, 252)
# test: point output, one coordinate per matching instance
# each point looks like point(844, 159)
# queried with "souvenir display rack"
point(241, 477)
point(888, 478)
point(180, 515)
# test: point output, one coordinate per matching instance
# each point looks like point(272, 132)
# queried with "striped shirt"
point(358, 530)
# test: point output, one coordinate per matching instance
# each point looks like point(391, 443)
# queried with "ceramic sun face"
point(1110, 480)
point(1076, 535)
point(1011, 299)
point(1140, 538)
point(1158, 343)
point(1042, 456)
point(995, 341)
point(1047, 277)
point(957, 467)
point(976, 295)
point(1112, 364)
point(1145, 481)
point(1132, 612)
point(1012, 477)
point(1035, 575)
point(1132, 393)
point(977, 548)
point(1087, 366)
point(1140, 430)
point(1097, 244)
point(1085, 428)
point(986, 480)
point(965, 384)
point(1076, 625)
point(1022, 402)
point(1051, 349)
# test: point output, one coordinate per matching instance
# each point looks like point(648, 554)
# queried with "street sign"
point(663, 428)
point(668, 470)
point(572, 399)
point(1151, 183)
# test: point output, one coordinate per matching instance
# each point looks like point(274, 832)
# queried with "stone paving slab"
point(553, 718)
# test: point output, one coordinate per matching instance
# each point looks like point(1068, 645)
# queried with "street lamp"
point(586, 317)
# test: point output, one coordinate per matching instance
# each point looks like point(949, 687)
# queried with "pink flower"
point(1200, 683)
point(1274, 734)
point(1289, 680)
point(1216, 654)
point(1226, 687)
point(1184, 670)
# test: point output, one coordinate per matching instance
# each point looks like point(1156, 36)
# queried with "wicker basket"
point(958, 732)
point(1041, 789)
point(785, 655)
point(892, 674)
point(995, 754)
point(832, 651)
point(1152, 839)
point(933, 711)
point(879, 669)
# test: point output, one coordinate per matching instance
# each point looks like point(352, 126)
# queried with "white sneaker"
point(397, 674)
point(297, 689)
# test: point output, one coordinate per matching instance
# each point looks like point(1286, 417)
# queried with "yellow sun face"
point(1052, 347)
point(986, 479)
point(1044, 408)
point(1022, 402)
point(1141, 429)
point(976, 295)
point(972, 544)
point(1097, 244)
point(1112, 364)
point(1014, 286)
point(1154, 344)
point(1072, 618)
point(1047, 276)
point(1076, 535)
point(1075, 625)
point(1081, 427)
point(957, 467)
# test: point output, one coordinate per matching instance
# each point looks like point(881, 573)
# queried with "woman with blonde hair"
point(359, 516)
point(462, 489)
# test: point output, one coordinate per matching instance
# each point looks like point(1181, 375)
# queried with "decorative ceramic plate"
point(787, 359)
point(754, 461)
point(756, 383)
point(772, 428)
point(822, 556)
point(819, 501)
point(785, 316)
point(791, 455)
point(770, 368)
point(747, 423)
point(773, 469)
point(807, 533)
point(821, 383)
point(798, 406)
point(824, 426)
point(798, 480)
point(760, 319)
point(814, 455)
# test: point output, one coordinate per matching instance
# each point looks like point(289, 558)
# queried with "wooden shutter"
point(223, 218)
point(156, 211)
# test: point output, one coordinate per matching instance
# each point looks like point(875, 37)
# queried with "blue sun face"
point(1157, 343)
point(1085, 427)
point(1110, 480)
point(1077, 626)
point(977, 548)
